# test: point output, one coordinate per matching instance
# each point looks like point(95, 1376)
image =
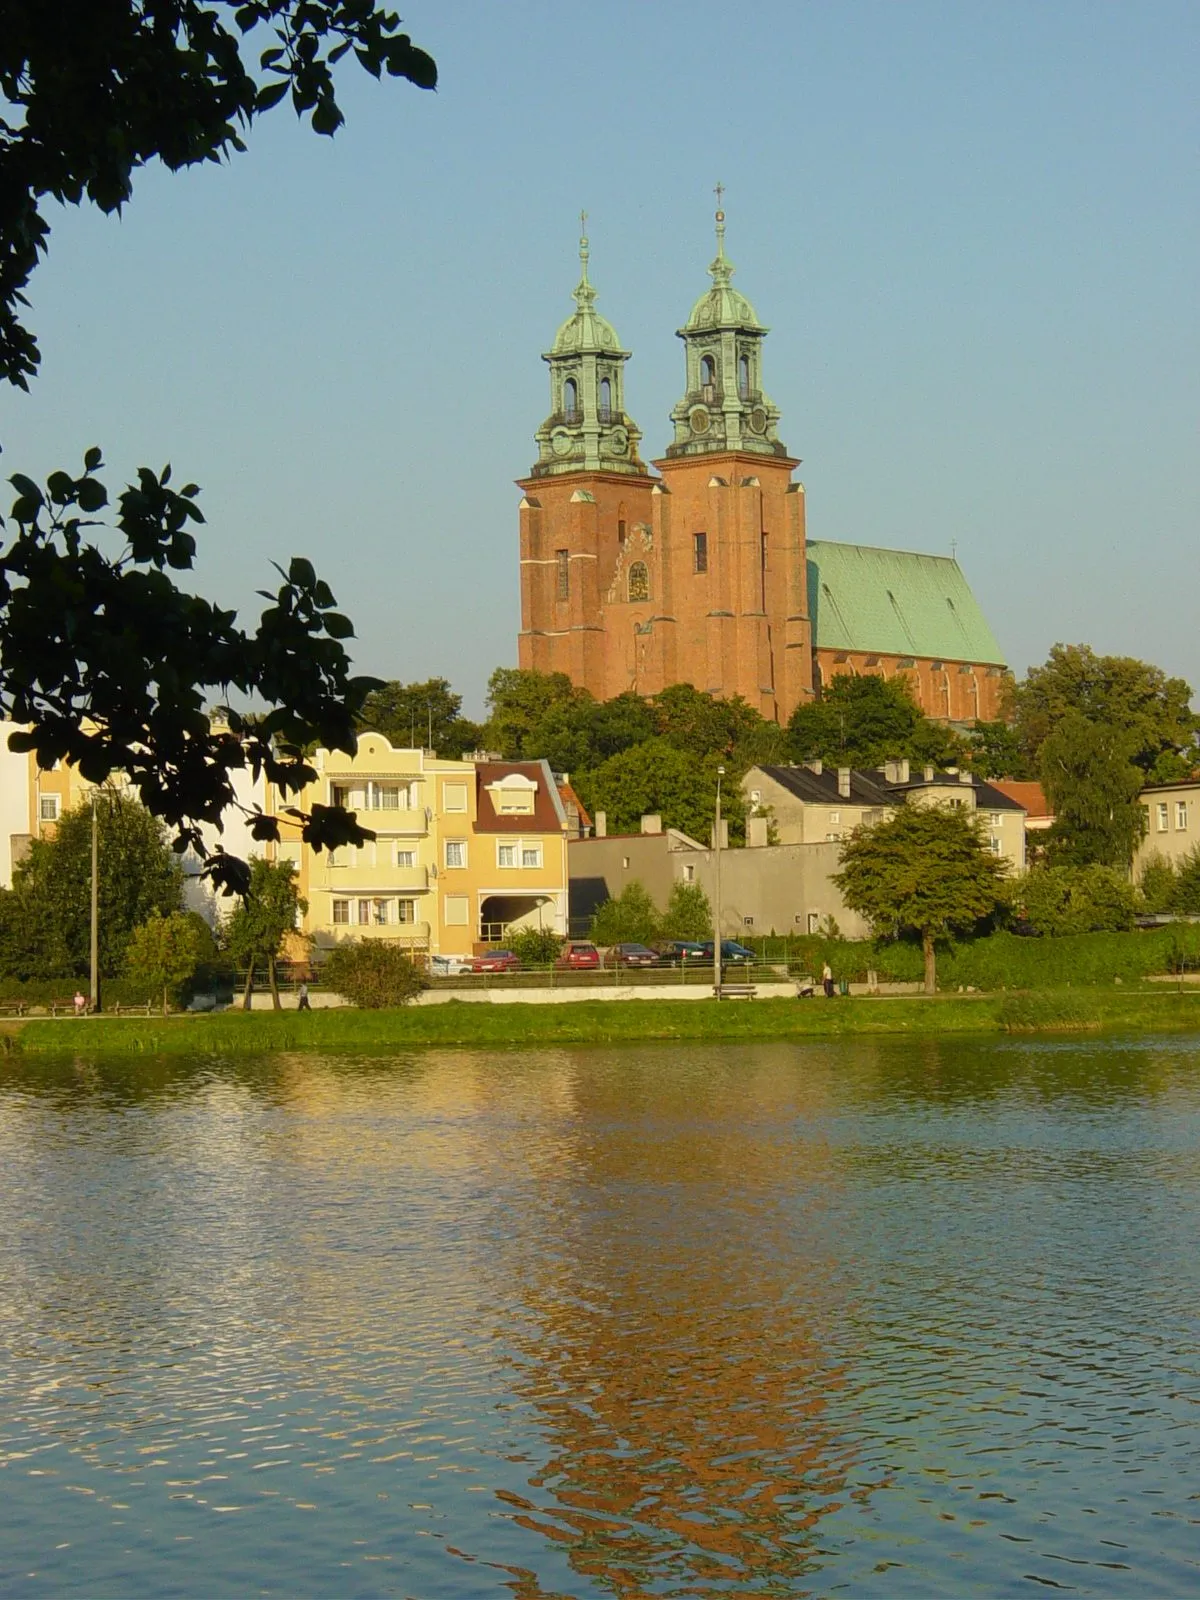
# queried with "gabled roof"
point(547, 816)
point(892, 602)
point(987, 796)
point(821, 787)
point(1030, 796)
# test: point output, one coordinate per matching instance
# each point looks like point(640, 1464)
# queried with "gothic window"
point(564, 573)
point(621, 531)
point(639, 581)
point(605, 400)
point(571, 400)
point(744, 377)
point(700, 552)
point(708, 377)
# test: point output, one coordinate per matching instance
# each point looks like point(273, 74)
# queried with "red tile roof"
point(1029, 795)
point(546, 815)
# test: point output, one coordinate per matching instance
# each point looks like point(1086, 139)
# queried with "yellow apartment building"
point(464, 852)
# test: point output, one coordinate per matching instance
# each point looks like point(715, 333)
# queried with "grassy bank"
point(258, 1032)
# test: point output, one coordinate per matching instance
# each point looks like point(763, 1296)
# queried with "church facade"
point(698, 569)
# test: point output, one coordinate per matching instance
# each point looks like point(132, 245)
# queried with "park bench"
point(12, 1008)
point(734, 991)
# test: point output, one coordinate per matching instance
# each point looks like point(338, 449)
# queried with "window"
point(506, 855)
point(689, 873)
point(372, 796)
point(621, 531)
point(531, 855)
point(814, 922)
point(457, 910)
point(1162, 816)
point(744, 377)
point(1181, 815)
point(994, 845)
point(835, 816)
point(387, 796)
point(344, 855)
point(456, 852)
point(364, 913)
point(699, 552)
point(48, 808)
point(996, 819)
point(564, 573)
point(747, 922)
point(605, 400)
point(514, 802)
point(571, 400)
point(832, 838)
point(405, 857)
point(341, 912)
point(379, 912)
point(639, 581)
point(625, 863)
point(454, 796)
point(708, 378)
point(406, 910)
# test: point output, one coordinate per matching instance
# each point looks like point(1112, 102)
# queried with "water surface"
point(886, 1317)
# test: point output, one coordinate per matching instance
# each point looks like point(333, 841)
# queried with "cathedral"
point(698, 568)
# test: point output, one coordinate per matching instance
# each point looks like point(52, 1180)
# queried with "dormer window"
point(708, 378)
point(605, 400)
point(513, 795)
point(571, 400)
point(744, 377)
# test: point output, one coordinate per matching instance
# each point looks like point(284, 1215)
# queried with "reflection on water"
point(895, 1318)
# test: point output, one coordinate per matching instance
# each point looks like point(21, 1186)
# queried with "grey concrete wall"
point(778, 887)
point(601, 869)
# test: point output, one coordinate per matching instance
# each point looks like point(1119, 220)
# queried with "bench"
point(12, 1008)
point(734, 991)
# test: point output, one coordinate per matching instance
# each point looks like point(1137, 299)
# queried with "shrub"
point(631, 918)
point(372, 974)
point(688, 914)
point(537, 947)
point(1187, 886)
point(1158, 885)
point(1065, 900)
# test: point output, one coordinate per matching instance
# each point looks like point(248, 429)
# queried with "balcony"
point(407, 880)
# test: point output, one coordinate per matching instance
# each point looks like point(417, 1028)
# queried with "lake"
point(883, 1317)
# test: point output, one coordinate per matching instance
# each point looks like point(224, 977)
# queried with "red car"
point(497, 961)
point(578, 955)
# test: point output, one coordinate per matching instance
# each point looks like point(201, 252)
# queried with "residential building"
point(697, 568)
point(1172, 823)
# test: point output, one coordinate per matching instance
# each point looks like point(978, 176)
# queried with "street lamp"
point(95, 910)
point(717, 888)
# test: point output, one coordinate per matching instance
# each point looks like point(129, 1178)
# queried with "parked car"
point(733, 954)
point(578, 955)
point(450, 966)
point(633, 955)
point(496, 961)
point(679, 951)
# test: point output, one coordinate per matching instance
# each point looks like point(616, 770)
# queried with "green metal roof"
point(892, 602)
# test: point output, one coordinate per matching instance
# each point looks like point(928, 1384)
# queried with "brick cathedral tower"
point(632, 582)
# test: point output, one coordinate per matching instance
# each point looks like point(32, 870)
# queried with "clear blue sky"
point(972, 229)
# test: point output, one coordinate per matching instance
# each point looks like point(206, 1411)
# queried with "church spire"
point(587, 429)
point(724, 407)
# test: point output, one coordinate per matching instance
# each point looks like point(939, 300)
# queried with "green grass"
point(604, 1022)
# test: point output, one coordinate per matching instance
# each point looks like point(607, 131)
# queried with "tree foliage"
point(924, 870)
point(45, 918)
point(266, 914)
point(1064, 900)
point(688, 914)
point(1092, 787)
point(373, 974)
point(164, 952)
point(535, 947)
point(107, 661)
point(864, 721)
point(419, 715)
point(655, 777)
point(629, 918)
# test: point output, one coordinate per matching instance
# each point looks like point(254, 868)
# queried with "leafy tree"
point(688, 914)
point(535, 947)
point(924, 870)
point(863, 722)
point(45, 926)
point(1187, 889)
point(412, 714)
point(656, 777)
point(1158, 885)
point(618, 724)
point(1092, 787)
point(1129, 697)
point(164, 952)
point(1063, 900)
point(997, 752)
point(630, 918)
point(264, 917)
point(518, 703)
point(373, 974)
point(110, 664)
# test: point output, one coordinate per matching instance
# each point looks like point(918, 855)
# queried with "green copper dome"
point(722, 306)
point(585, 331)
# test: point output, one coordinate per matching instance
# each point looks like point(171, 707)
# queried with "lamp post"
point(95, 910)
point(717, 888)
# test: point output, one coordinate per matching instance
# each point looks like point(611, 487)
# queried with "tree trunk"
point(249, 989)
point(930, 961)
point(275, 1001)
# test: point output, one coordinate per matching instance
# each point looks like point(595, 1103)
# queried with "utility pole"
point(95, 925)
point(429, 708)
point(717, 888)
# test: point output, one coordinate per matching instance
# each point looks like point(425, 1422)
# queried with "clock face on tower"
point(618, 441)
point(560, 442)
point(758, 420)
point(699, 419)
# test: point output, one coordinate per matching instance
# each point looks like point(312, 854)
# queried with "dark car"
point(680, 951)
point(496, 961)
point(633, 955)
point(578, 954)
point(732, 954)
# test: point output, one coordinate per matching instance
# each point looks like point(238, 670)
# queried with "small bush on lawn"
point(535, 947)
point(1048, 1013)
point(372, 974)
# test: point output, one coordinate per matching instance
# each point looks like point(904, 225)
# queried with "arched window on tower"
point(571, 400)
point(708, 378)
point(639, 581)
point(605, 400)
point(744, 377)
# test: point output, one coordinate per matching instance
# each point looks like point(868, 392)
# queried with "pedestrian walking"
point(302, 1004)
point(827, 980)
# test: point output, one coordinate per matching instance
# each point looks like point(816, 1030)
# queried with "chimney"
point(816, 766)
point(712, 835)
point(896, 771)
point(756, 832)
point(601, 823)
point(844, 782)
point(652, 822)
point(928, 774)
point(964, 776)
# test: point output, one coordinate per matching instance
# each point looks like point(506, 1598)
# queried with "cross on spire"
point(719, 191)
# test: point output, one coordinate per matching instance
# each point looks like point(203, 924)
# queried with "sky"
point(972, 229)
